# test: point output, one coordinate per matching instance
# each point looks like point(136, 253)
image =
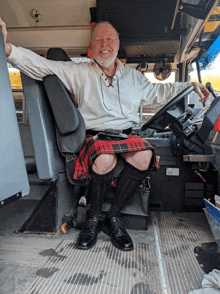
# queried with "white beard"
point(104, 63)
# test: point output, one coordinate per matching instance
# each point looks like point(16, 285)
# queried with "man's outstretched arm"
point(8, 47)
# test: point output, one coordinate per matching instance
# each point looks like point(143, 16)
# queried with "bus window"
point(170, 79)
point(146, 112)
point(17, 90)
point(209, 74)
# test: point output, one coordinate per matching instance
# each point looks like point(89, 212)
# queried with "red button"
point(217, 125)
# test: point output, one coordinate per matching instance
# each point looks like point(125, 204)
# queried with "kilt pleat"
point(95, 147)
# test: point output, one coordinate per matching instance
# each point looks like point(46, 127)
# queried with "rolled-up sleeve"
point(37, 67)
point(32, 64)
point(158, 94)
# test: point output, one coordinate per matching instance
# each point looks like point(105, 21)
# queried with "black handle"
point(211, 90)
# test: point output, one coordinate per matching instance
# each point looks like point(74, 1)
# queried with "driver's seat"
point(57, 95)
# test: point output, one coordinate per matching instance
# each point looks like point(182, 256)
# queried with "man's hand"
point(8, 47)
point(202, 91)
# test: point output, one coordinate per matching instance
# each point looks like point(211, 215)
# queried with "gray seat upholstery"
point(48, 159)
point(71, 132)
point(70, 126)
point(56, 133)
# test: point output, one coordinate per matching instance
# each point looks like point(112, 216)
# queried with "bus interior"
point(42, 208)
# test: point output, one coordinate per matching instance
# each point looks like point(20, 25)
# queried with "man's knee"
point(141, 159)
point(104, 163)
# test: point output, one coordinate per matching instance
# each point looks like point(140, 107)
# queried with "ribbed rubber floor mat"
point(179, 234)
point(102, 269)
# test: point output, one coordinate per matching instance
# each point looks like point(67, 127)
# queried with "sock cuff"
point(133, 172)
point(100, 178)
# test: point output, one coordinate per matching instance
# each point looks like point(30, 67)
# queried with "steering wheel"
point(161, 119)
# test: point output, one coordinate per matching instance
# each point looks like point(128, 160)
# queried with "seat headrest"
point(57, 54)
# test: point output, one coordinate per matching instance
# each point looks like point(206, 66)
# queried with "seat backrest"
point(48, 159)
point(70, 126)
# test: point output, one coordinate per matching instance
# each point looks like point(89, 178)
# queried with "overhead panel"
point(144, 27)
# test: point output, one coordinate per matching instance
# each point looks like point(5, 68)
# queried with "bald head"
point(105, 44)
point(106, 23)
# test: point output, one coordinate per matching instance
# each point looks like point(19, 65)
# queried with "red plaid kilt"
point(94, 147)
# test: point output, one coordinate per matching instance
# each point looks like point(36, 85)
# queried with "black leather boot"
point(119, 236)
point(88, 235)
point(99, 187)
point(128, 182)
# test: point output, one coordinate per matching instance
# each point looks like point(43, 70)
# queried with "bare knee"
point(140, 160)
point(104, 163)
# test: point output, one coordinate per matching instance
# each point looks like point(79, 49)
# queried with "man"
point(108, 95)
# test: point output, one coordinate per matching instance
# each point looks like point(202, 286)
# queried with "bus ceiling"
point(175, 30)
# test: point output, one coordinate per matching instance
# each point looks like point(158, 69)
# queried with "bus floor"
point(163, 259)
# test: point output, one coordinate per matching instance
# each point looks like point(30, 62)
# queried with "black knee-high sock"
point(128, 182)
point(100, 185)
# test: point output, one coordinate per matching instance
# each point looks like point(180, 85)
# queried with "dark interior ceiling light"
point(162, 70)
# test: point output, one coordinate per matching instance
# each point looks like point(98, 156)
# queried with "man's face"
point(105, 45)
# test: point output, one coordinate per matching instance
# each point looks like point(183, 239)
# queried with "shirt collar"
point(119, 67)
